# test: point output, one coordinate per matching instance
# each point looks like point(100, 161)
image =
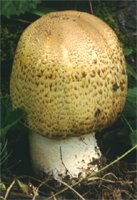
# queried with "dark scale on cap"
point(98, 112)
point(115, 87)
point(84, 74)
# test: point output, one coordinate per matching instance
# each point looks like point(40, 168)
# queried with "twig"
point(130, 127)
point(53, 196)
point(17, 195)
point(37, 189)
point(35, 194)
point(24, 21)
point(90, 5)
point(61, 157)
point(8, 189)
point(71, 188)
point(110, 174)
point(95, 173)
point(41, 183)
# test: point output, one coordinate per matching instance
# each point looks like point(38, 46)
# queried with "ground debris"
point(118, 182)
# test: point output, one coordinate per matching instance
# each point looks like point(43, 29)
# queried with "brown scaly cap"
point(69, 74)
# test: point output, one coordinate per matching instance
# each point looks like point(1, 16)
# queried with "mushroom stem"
point(73, 156)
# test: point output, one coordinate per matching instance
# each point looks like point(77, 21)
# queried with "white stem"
point(71, 156)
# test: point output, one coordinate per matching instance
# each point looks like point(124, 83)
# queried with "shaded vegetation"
point(12, 7)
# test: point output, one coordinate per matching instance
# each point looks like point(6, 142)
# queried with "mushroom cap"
point(69, 74)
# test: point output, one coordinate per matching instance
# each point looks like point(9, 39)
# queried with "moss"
point(8, 42)
point(10, 32)
point(107, 11)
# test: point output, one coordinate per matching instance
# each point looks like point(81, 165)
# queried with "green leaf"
point(40, 11)
point(133, 137)
point(131, 72)
point(9, 117)
point(127, 51)
point(23, 187)
point(12, 119)
point(131, 103)
point(2, 187)
point(13, 7)
point(132, 95)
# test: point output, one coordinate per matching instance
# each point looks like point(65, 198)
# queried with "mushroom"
point(69, 75)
